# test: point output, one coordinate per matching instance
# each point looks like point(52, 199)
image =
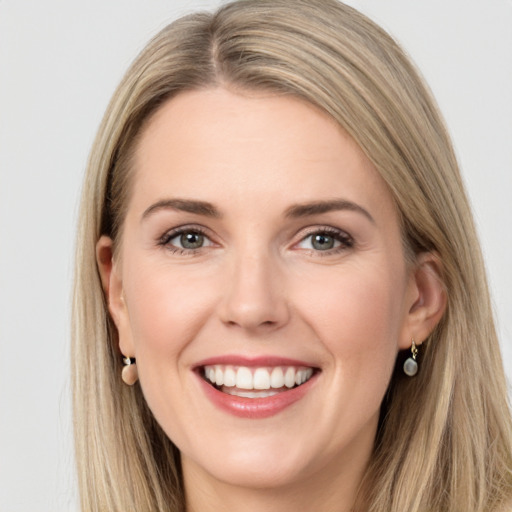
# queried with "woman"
point(280, 300)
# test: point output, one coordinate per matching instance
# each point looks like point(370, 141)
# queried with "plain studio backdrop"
point(59, 64)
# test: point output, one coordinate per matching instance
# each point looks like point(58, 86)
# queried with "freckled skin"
point(257, 286)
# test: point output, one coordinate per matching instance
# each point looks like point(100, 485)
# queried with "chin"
point(254, 473)
point(255, 460)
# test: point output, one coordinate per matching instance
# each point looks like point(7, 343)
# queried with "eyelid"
point(345, 240)
point(168, 235)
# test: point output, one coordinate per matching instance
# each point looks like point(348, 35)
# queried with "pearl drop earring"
point(129, 373)
point(411, 365)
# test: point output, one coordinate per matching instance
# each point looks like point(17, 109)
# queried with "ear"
point(111, 281)
point(426, 299)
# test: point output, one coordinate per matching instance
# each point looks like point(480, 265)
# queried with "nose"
point(254, 297)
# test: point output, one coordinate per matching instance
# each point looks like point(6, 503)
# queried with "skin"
point(258, 286)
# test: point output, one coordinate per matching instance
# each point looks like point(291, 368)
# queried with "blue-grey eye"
point(323, 242)
point(326, 240)
point(191, 240)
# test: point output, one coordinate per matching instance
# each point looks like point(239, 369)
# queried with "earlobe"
point(427, 299)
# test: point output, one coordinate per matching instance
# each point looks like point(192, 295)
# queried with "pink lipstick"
point(255, 387)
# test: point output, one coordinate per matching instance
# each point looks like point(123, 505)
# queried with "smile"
point(257, 382)
point(257, 387)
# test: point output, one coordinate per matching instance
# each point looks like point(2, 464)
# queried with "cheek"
point(166, 309)
point(358, 316)
point(166, 312)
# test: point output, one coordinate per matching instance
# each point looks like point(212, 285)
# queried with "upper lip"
point(259, 361)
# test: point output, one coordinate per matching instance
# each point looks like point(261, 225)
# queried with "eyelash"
point(165, 239)
point(344, 239)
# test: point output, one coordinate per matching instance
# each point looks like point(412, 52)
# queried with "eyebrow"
point(295, 211)
point(318, 207)
point(184, 205)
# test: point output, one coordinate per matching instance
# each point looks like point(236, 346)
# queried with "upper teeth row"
point(244, 377)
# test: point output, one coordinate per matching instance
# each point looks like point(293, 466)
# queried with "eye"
point(326, 240)
point(185, 240)
point(323, 242)
point(190, 240)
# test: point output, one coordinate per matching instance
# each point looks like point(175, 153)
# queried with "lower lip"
point(256, 408)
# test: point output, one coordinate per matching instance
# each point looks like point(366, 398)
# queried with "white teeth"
point(289, 377)
point(277, 377)
point(219, 376)
point(245, 378)
point(250, 394)
point(261, 379)
point(303, 375)
point(229, 377)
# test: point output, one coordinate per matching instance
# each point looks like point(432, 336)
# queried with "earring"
point(129, 373)
point(410, 365)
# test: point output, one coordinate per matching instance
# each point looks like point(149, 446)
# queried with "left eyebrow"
point(318, 207)
point(184, 205)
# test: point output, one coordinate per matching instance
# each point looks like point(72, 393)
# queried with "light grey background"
point(59, 64)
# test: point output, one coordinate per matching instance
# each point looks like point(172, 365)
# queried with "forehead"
point(275, 148)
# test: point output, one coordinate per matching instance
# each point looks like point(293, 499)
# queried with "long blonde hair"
point(445, 437)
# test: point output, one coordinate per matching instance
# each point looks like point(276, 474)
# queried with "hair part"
point(445, 437)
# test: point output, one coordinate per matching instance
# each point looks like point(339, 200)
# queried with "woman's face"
point(260, 248)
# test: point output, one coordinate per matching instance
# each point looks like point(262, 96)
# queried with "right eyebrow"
point(319, 207)
point(185, 205)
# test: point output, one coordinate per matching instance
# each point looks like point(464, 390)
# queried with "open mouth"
point(255, 382)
